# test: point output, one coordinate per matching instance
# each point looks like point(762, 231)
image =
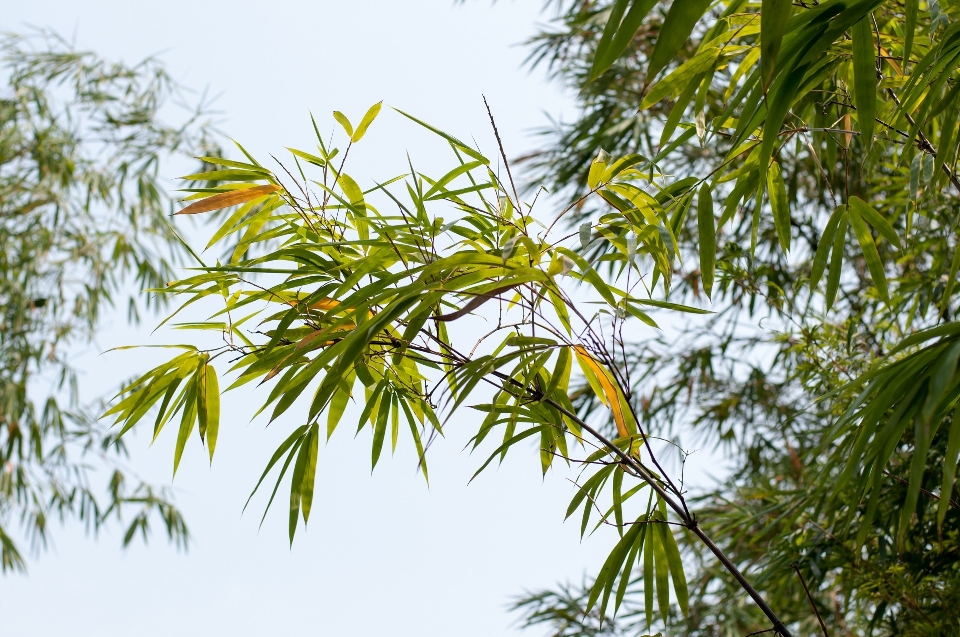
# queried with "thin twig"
point(933, 496)
point(813, 605)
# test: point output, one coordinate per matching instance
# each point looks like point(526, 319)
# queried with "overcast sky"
point(383, 554)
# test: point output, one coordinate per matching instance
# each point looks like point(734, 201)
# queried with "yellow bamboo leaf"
point(613, 397)
point(227, 199)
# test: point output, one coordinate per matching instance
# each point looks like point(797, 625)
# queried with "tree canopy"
point(787, 169)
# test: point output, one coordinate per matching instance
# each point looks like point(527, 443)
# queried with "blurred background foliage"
point(878, 544)
point(83, 220)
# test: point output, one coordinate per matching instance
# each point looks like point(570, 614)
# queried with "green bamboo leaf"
point(911, 11)
point(681, 77)
point(364, 124)
point(778, 203)
point(708, 238)
point(286, 444)
point(869, 249)
point(227, 175)
point(950, 458)
point(312, 447)
point(338, 404)
point(296, 484)
point(836, 260)
point(951, 280)
point(598, 167)
point(874, 218)
point(865, 78)
point(681, 17)
point(663, 568)
point(343, 121)
point(824, 245)
point(774, 17)
point(187, 421)
point(506, 445)
point(353, 192)
point(618, 33)
point(212, 396)
point(585, 230)
point(676, 570)
point(453, 140)
point(648, 572)
point(380, 427)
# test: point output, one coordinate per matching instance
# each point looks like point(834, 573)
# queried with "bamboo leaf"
point(911, 11)
point(865, 78)
point(212, 399)
point(778, 203)
point(343, 121)
point(618, 33)
point(873, 217)
point(708, 238)
point(824, 246)
point(774, 18)
point(284, 446)
point(681, 77)
point(227, 199)
point(364, 124)
point(681, 17)
point(836, 260)
point(950, 458)
point(312, 446)
point(869, 249)
point(589, 364)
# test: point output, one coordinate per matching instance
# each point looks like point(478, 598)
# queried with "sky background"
point(383, 554)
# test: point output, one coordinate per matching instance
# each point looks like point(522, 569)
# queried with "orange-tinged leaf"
point(608, 388)
point(308, 340)
point(325, 304)
point(227, 199)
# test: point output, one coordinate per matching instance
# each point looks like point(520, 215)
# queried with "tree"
point(877, 545)
point(82, 214)
point(791, 168)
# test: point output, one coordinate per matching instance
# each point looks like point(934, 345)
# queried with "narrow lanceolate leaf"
point(282, 449)
point(777, 191)
point(865, 78)
point(824, 245)
point(950, 459)
point(836, 260)
point(876, 220)
point(212, 399)
point(343, 121)
point(708, 238)
point(677, 26)
point(774, 17)
point(296, 486)
point(364, 124)
point(618, 33)
point(590, 365)
point(679, 79)
point(951, 280)
point(311, 447)
point(676, 569)
point(870, 253)
point(227, 199)
point(911, 10)
point(187, 421)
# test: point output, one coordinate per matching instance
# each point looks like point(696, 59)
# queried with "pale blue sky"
point(383, 555)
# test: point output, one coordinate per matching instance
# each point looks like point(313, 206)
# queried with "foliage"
point(790, 166)
point(332, 287)
point(819, 142)
point(82, 212)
